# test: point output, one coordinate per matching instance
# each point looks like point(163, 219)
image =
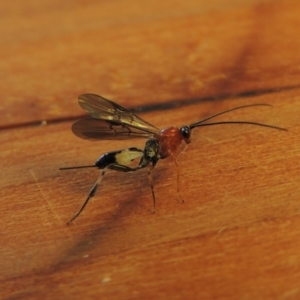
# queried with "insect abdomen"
point(107, 159)
point(121, 157)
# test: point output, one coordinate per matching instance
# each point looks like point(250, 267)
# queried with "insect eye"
point(185, 132)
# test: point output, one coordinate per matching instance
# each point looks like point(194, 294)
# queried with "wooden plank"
point(240, 186)
point(186, 51)
point(235, 237)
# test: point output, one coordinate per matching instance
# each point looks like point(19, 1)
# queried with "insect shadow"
point(110, 121)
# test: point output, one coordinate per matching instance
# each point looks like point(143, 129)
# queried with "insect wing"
point(95, 129)
point(103, 109)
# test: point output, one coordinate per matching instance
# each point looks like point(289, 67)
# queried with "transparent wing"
point(95, 129)
point(103, 109)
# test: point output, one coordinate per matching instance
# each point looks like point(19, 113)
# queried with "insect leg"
point(144, 162)
point(150, 179)
point(91, 194)
point(114, 166)
point(150, 158)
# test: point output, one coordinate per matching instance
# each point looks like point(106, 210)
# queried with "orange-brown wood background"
point(237, 236)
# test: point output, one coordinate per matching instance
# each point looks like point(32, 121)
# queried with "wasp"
point(110, 121)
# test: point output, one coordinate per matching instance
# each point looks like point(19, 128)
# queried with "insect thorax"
point(151, 149)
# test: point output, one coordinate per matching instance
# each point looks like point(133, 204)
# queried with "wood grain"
point(236, 234)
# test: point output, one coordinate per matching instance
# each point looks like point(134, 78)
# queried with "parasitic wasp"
point(110, 121)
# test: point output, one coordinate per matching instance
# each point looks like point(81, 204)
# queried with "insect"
point(108, 121)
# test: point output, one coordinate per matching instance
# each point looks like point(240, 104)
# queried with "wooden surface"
point(175, 62)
